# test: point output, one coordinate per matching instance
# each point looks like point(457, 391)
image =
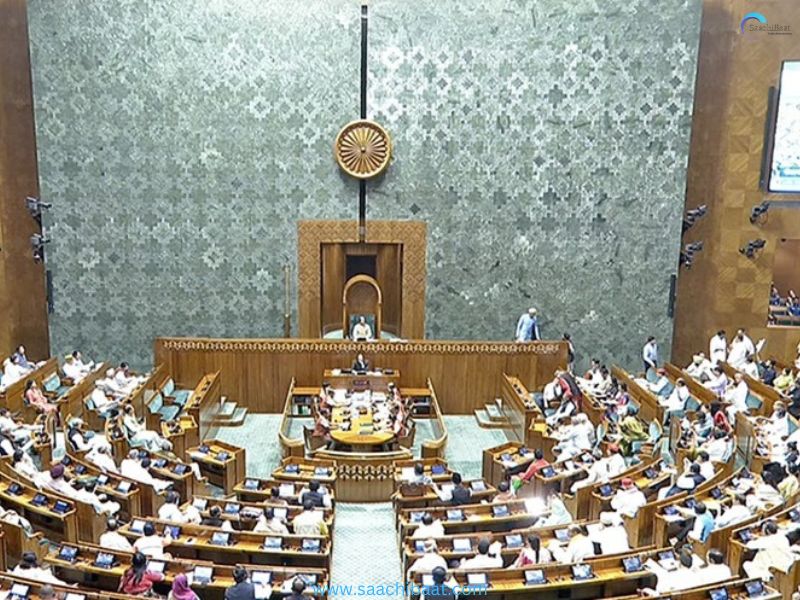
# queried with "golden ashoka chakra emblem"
point(363, 149)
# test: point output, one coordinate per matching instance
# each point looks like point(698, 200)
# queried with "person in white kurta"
point(611, 534)
point(741, 347)
point(737, 396)
point(718, 348)
point(774, 551)
point(628, 499)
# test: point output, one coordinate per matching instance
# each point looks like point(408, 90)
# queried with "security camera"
point(752, 247)
point(38, 242)
point(688, 252)
point(35, 206)
point(694, 215)
point(759, 211)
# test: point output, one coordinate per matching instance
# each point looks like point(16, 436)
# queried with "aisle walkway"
point(364, 539)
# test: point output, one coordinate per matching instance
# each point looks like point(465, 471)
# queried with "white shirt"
point(482, 561)
point(425, 532)
point(274, 525)
point(612, 540)
point(132, 469)
point(739, 351)
point(100, 400)
point(716, 448)
point(707, 469)
point(751, 369)
point(41, 574)
point(628, 502)
point(738, 397)
point(579, 548)
point(362, 331)
point(698, 369)
point(151, 546)
point(114, 540)
point(677, 398)
point(171, 512)
point(717, 349)
point(427, 563)
point(104, 461)
point(712, 574)
point(735, 514)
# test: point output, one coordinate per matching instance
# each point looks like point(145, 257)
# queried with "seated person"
point(361, 330)
point(113, 539)
point(309, 522)
point(316, 495)
point(532, 553)
point(360, 363)
point(429, 528)
point(29, 568)
point(537, 465)
point(150, 543)
point(19, 359)
point(676, 401)
point(718, 382)
point(440, 588)
point(428, 561)
point(505, 493)
point(137, 580)
point(269, 523)
point(214, 519)
point(701, 526)
point(139, 434)
point(132, 468)
point(74, 368)
point(628, 499)
point(579, 548)
point(457, 493)
point(700, 368)
point(488, 557)
point(611, 535)
point(36, 398)
point(556, 513)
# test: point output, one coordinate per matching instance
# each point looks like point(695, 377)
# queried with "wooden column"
point(23, 302)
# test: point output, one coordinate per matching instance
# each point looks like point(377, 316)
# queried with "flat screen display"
point(785, 167)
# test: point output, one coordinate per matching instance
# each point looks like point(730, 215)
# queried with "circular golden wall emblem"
point(363, 149)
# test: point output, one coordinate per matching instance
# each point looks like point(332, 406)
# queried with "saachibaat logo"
point(755, 22)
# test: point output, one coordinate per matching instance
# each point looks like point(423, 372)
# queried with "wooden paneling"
point(257, 373)
point(786, 271)
point(389, 274)
point(23, 301)
point(332, 274)
point(313, 235)
point(724, 289)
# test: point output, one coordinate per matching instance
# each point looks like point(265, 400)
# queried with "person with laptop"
point(429, 528)
point(628, 499)
point(269, 523)
point(170, 510)
point(611, 535)
point(181, 590)
point(242, 588)
point(29, 568)
point(736, 513)
point(429, 560)
point(113, 539)
point(537, 465)
point(137, 579)
point(439, 589)
point(532, 553)
point(150, 544)
point(714, 571)
point(214, 519)
point(672, 575)
point(579, 548)
point(488, 557)
point(309, 522)
point(773, 551)
point(313, 493)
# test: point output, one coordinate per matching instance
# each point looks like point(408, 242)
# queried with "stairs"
point(491, 416)
point(230, 415)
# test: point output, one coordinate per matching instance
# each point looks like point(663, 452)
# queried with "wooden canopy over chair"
point(362, 297)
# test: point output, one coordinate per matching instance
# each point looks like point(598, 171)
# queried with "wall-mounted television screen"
point(785, 167)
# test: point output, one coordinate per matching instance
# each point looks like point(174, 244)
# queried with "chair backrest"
point(692, 404)
point(655, 431)
point(753, 402)
point(600, 432)
point(155, 403)
point(52, 383)
point(168, 387)
point(88, 402)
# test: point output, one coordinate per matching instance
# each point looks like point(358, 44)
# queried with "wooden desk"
point(481, 492)
point(377, 381)
point(446, 544)
point(15, 393)
point(178, 472)
point(247, 513)
point(518, 407)
point(85, 571)
point(260, 490)
point(304, 470)
point(649, 408)
point(56, 526)
point(222, 472)
point(497, 470)
point(477, 517)
point(130, 502)
point(736, 590)
point(738, 552)
point(610, 579)
point(7, 581)
point(699, 392)
point(435, 468)
point(194, 543)
point(183, 434)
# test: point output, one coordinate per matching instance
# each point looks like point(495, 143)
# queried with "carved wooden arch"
point(350, 288)
point(312, 234)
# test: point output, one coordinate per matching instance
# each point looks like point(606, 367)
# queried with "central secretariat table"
point(364, 429)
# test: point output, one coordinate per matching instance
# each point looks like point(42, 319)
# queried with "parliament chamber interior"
point(399, 299)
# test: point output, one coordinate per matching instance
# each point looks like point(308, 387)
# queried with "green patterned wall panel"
point(544, 143)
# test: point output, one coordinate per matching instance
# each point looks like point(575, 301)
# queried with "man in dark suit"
point(360, 363)
point(298, 587)
point(243, 589)
point(313, 495)
point(461, 493)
